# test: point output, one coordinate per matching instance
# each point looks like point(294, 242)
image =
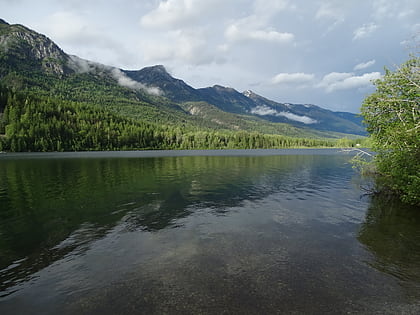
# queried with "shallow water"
point(211, 232)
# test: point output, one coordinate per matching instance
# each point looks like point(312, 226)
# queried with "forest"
point(37, 122)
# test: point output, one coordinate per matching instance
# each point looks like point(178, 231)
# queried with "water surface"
point(211, 232)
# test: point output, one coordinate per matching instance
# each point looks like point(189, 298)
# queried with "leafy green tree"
point(392, 115)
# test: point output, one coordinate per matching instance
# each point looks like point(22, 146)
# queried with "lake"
point(201, 232)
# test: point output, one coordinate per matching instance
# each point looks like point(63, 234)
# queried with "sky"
point(322, 52)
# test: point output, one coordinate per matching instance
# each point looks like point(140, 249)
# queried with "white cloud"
point(73, 28)
point(271, 36)
point(76, 34)
point(179, 13)
point(331, 12)
point(382, 9)
point(125, 81)
point(343, 81)
point(364, 65)
point(386, 9)
point(334, 77)
point(184, 32)
point(257, 26)
point(303, 119)
point(187, 47)
point(416, 29)
point(264, 110)
point(292, 78)
point(170, 13)
point(67, 26)
point(389, 9)
point(328, 11)
point(84, 66)
point(272, 7)
point(364, 31)
point(237, 32)
point(406, 13)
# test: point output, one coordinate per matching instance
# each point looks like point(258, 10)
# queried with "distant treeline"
point(30, 122)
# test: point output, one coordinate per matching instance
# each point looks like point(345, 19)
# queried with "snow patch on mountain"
point(248, 93)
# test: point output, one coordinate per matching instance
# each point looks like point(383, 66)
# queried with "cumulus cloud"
point(184, 32)
point(189, 47)
point(236, 32)
point(272, 7)
point(73, 28)
point(343, 81)
point(178, 13)
point(364, 65)
point(257, 26)
point(388, 9)
point(263, 110)
point(63, 29)
point(292, 78)
point(169, 13)
point(75, 33)
point(331, 13)
point(328, 11)
point(364, 31)
point(189, 31)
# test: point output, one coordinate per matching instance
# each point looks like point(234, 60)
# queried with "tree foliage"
point(392, 115)
point(35, 122)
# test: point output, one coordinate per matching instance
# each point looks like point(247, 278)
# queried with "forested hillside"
point(40, 123)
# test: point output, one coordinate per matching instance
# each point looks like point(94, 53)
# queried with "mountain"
point(309, 115)
point(32, 63)
point(227, 99)
point(248, 103)
point(25, 50)
point(157, 76)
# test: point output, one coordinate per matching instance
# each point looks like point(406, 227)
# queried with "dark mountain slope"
point(157, 76)
point(227, 99)
point(25, 50)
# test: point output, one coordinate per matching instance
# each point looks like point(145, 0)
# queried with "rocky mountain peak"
point(26, 48)
point(159, 70)
point(223, 88)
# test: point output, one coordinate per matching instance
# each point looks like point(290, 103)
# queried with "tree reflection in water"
point(391, 232)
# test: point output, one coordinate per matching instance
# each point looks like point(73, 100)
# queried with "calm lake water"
point(201, 232)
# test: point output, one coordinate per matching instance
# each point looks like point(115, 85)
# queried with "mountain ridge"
point(38, 61)
point(230, 100)
point(32, 49)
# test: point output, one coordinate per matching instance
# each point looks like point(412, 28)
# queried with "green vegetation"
point(35, 122)
point(392, 115)
point(103, 92)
